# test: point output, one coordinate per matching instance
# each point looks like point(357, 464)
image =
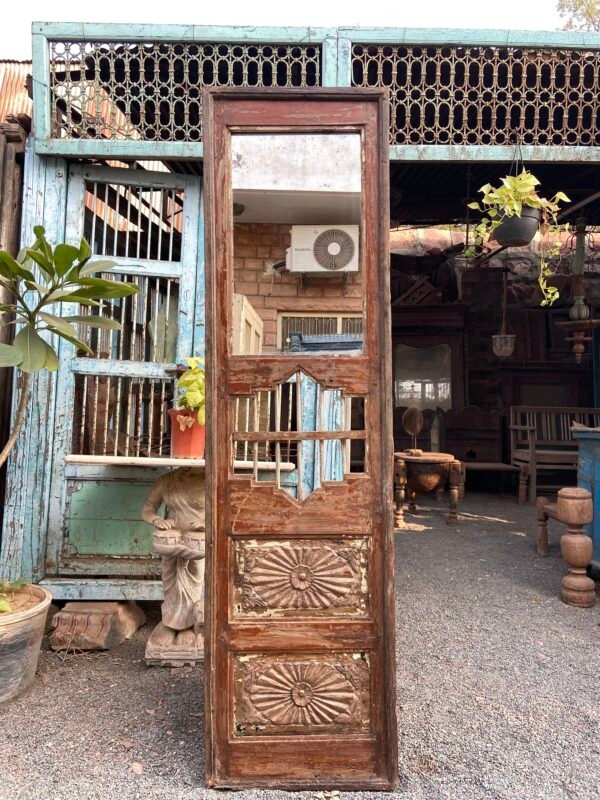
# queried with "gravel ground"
point(498, 686)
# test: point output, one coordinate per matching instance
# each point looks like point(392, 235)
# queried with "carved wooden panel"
point(326, 577)
point(308, 695)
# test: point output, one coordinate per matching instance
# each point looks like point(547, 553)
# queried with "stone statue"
point(179, 537)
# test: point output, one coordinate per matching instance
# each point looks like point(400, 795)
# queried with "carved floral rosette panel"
point(301, 694)
point(301, 577)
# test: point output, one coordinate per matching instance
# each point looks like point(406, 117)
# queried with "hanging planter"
point(518, 231)
point(503, 343)
point(188, 429)
point(514, 212)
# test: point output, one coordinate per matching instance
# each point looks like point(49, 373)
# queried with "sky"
point(15, 32)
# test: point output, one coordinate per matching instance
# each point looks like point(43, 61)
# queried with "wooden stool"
point(574, 508)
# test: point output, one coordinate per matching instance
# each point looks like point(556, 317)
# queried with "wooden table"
point(424, 473)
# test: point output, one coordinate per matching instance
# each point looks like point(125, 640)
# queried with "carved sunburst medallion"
point(302, 694)
point(303, 576)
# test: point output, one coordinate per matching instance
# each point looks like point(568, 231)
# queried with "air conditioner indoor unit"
point(326, 249)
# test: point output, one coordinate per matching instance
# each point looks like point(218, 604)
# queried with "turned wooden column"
point(454, 489)
point(399, 490)
point(575, 509)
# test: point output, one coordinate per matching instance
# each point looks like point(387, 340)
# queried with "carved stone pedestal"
point(95, 625)
point(169, 648)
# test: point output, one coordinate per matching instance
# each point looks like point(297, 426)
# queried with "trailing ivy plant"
point(64, 274)
point(192, 383)
point(507, 200)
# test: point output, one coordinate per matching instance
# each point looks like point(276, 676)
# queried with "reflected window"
point(423, 376)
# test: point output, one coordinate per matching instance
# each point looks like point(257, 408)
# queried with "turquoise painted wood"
point(336, 70)
point(103, 589)
point(494, 153)
point(475, 36)
point(588, 477)
point(104, 533)
point(29, 487)
point(131, 32)
point(104, 518)
point(199, 334)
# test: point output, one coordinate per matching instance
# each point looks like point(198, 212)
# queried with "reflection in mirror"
point(423, 376)
point(297, 282)
point(298, 435)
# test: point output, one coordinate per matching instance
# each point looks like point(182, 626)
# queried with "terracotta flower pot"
point(187, 434)
point(21, 635)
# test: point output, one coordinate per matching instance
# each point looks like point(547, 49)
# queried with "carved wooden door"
point(300, 601)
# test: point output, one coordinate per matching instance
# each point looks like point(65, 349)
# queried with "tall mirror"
point(297, 291)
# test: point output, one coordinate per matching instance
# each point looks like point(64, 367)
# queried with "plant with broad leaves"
point(192, 382)
point(7, 591)
point(64, 274)
point(508, 200)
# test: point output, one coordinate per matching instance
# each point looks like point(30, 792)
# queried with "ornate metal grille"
point(153, 90)
point(485, 95)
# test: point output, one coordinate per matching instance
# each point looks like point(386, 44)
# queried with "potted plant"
point(39, 279)
point(514, 212)
point(188, 429)
point(23, 610)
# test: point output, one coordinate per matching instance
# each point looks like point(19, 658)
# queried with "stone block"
point(92, 625)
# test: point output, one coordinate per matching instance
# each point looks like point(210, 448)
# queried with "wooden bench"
point(540, 438)
point(474, 437)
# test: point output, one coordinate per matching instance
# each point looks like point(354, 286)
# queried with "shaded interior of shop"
point(445, 310)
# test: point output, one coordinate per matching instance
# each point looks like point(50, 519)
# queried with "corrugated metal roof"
point(14, 98)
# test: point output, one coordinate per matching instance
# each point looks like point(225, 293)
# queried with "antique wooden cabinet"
point(300, 560)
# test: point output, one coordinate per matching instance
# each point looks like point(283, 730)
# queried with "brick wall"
point(256, 248)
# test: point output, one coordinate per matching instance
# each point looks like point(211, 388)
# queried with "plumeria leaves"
point(95, 321)
point(32, 348)
point(10, 356)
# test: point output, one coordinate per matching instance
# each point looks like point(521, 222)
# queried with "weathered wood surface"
point(29, 486)
point(340, 508)
point(350, 654)
point(60, 558)
point(12, 148)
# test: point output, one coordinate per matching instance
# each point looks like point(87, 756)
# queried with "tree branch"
point(19, 417)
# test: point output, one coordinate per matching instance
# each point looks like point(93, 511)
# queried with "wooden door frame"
point(370, 759)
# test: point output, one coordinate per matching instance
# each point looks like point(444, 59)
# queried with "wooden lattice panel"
point(153, 90)
point(481, 95)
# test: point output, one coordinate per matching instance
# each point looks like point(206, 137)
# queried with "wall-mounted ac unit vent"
point(326, 249)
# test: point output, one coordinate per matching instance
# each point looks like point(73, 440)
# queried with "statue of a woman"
point(179, 537)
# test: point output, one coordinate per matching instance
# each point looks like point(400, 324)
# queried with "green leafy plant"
point(7, 590)
point(40, 277)
point(508, 200)
point(193, 385)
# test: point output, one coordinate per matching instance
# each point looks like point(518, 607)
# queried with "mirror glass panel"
point(297, 270)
